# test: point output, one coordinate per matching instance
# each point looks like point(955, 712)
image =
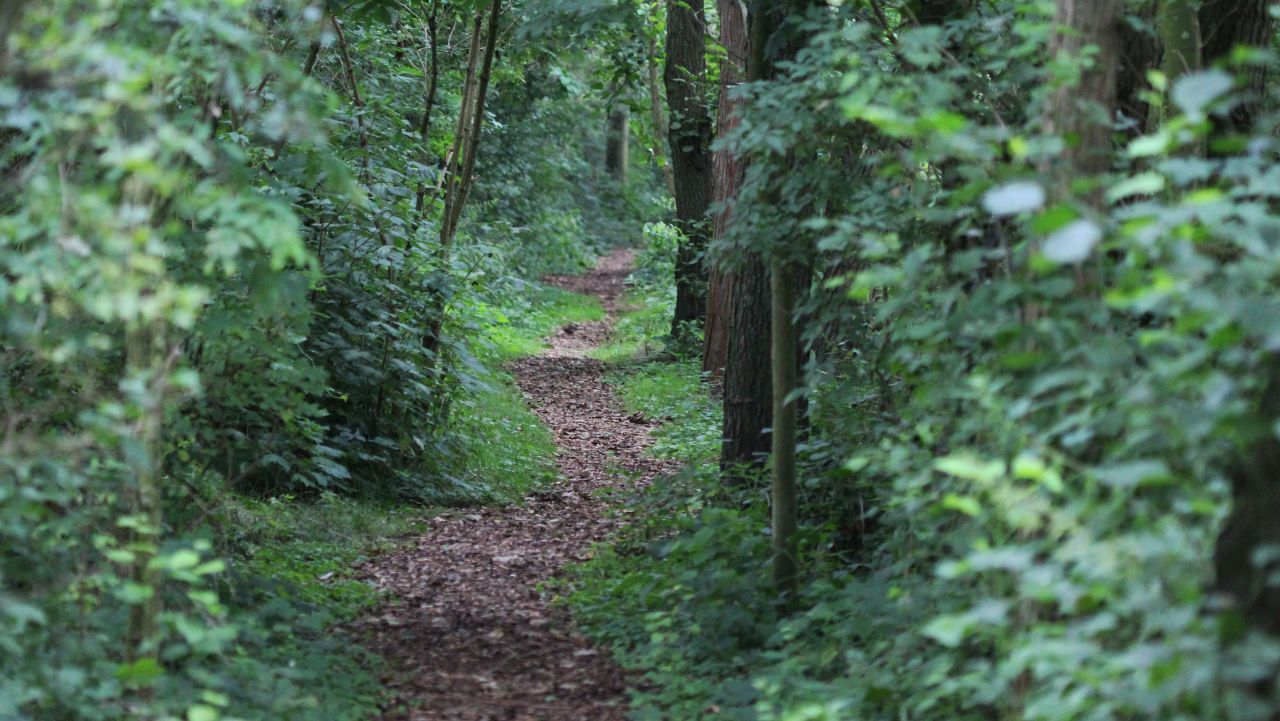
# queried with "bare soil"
point(467, 631)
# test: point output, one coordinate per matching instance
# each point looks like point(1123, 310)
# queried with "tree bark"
point(1140, 52)
point(655, 116)
point(617, 153)
point(747, 382)
point(1082, 112)
point(726, 171)
point(689, 134)
point(1179, 28)
point(785, 379)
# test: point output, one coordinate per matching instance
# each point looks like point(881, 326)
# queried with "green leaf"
point(1014, 198)
point(1194, 91)
point(971, 468)
point(1148, 183)
point(142, 672)
point(948, 630)
point(964, 504)
point(1072, 244)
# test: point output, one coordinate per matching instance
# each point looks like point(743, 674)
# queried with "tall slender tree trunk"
point(617, 153)
point(655, 116)
point(1082, 112)
point(143, 358)
point(460, 168)
point(783, 357)
point(787, 268)
point(689, 133)
point(727, 171)
point(429, 104)
point(1179, 26)
point(1178, 30)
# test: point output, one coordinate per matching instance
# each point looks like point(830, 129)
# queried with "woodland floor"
point(467, 631)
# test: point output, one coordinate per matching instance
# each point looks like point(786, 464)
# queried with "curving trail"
point(467, 632)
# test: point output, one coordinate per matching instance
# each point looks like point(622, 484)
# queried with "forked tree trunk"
point(689, 133)
point(727, 171)
point(460, 169)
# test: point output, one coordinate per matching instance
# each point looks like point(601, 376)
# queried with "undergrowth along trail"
point(467, 632)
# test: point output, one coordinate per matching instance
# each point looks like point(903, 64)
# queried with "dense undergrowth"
point(1040, 378)
point(236, 352)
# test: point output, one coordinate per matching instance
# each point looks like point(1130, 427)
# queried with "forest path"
point(468, 634)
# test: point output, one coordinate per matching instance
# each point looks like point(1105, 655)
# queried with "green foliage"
point(643, 330)
point(674, 393)
point(218, 288)
point(1028, 394)
point(528, 314)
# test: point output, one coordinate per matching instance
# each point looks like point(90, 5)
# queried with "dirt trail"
point(468, 634)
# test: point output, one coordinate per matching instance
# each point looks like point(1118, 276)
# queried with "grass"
point(290, 587)
point(310, 547)
point(503, 451)
point(674, 393)
point(538, 310)
point(640, 332)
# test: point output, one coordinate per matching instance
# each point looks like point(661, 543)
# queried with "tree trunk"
point(785, 376)
point(747, 382)
point(659, 122)
point(1179, 28)
point(727, 171)
point(1226, 24)
point(1082, 112)
point(689, 133)
point(466, 144)
point(617, 152)
point(143, 358)
point(424, 126)
point(1140, 52)
point(1252, 524)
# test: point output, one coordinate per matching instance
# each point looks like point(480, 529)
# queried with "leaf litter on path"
point(466, 631)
